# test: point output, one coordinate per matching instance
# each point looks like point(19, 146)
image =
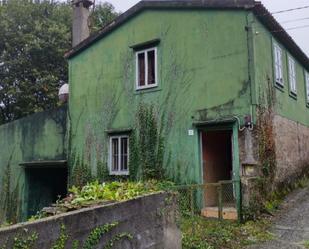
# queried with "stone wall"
point(292, 149)
point(291, 152)
point(150, 220)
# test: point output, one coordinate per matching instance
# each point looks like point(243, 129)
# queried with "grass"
point(201, 233)
point(277, 197)
point(306, 244)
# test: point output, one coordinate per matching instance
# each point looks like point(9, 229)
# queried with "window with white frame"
point(292, 75)
point(146, 68)
point(119, 155)
point(278, 64)
point(307, 86)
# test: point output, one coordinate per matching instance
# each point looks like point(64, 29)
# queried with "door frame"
point(233, 127)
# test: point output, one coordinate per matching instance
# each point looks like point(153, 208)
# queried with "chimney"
point(80, 20)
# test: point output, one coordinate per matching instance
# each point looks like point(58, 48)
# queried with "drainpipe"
point(251, 64)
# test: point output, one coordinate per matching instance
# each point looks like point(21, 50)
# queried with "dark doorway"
point(45, 186)
point(217, 161)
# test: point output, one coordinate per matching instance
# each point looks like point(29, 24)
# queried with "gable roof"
point(257, 8)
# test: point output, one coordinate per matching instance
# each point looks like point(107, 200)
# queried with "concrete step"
point(229, 213)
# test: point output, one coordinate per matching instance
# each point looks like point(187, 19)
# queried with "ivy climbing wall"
point(191, 88)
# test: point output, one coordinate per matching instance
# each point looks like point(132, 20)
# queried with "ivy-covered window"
point(119, 155)
point(278, 65)
point(292, 76)
point(146, 68)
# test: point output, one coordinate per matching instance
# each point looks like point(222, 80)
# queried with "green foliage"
point(34, 37)
point(61, 241)
point(117, 238)
point(147, 145)
point(80, 175)
point(201, 233)
point(75, 244)
point(103, 14)
point(306, 244)
point(95, 236)
point(8, 197)
point(114, 191)
point(25, 243)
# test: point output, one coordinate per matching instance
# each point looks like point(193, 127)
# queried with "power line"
point(295, 20)
point(298, 27)
point(283, 30)
point(288, 10)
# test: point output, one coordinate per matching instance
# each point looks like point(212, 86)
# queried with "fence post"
point(191, 202)
point(220, 208)
point(192, 209)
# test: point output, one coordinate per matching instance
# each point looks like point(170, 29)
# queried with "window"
point(278, 65)
point(146, 68)
point(307, 86)
point(292, 76)
point(119, 155)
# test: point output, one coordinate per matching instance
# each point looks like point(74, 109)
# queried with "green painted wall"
point(203, 75)
point(285, 105)
point(37, 137)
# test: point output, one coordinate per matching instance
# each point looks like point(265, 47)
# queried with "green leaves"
point(34, 36)
point(96, 192)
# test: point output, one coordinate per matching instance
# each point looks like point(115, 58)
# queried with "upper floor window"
point(278, 65)
point(119, 155)
point(146, 68)
point(292, 76)
point(307, 86)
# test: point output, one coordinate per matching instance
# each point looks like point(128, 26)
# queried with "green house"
point(198, 92)
point(219, 85)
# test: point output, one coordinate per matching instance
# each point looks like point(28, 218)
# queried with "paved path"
point(291, 225)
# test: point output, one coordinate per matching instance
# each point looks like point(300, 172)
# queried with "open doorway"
point(44, 187)
point(217, 162)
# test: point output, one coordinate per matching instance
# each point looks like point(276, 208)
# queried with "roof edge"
point(259, 10)
point(157, 4)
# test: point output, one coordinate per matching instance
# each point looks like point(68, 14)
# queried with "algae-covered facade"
point(192, 91)
point(31, 150)
point(208, 73)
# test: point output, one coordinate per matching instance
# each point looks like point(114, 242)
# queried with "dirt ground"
point(291, 223)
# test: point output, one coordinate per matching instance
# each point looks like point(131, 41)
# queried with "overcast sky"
point(300, 35)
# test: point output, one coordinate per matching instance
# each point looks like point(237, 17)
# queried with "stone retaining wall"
point(150, 220)
point(292, 149)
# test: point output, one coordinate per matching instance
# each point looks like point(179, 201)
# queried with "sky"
point(287, 20)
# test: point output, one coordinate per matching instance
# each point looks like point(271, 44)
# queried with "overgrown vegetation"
point(9, 203)
point(92, 241)
point(147, 163)
point(202, 233)
point(99, 193)
point(276, 197)
point(25, 242)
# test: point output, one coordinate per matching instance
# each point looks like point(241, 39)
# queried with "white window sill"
point(151, 86)
point(119, 173)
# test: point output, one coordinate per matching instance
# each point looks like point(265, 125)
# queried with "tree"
point(34, 35)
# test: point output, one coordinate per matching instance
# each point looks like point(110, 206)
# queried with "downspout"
point(251, 65)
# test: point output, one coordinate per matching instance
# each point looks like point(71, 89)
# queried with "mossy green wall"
point(284, 104)
point(37, 137)
point(203, 75)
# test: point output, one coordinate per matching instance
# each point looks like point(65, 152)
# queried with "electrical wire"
point(295, 20)
point(292, 28)
point(289, 10)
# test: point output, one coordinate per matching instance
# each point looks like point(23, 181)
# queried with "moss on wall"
point(38, 137)
point(190, 55)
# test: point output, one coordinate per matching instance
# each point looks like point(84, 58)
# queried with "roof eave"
point(143, 5)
